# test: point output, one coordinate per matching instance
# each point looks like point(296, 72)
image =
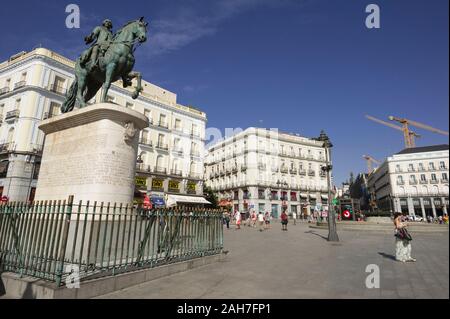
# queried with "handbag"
point(403, 234)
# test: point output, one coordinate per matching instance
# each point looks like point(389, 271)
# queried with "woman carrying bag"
point(402, 240)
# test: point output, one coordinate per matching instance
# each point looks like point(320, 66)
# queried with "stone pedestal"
point(91, 153)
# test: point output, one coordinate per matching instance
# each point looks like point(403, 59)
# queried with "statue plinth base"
point(90, 153)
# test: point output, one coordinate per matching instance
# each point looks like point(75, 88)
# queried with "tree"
point(210, 196)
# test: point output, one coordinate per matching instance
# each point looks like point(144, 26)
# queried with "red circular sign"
point(4, 199)
point(346, 214)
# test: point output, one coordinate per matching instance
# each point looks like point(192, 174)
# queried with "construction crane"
point(406, 123)
point(370, 160)
point(408, 135)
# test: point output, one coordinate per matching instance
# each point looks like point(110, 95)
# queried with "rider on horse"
point(101, 36)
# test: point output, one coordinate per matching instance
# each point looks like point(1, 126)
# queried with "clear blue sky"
point(300, 66)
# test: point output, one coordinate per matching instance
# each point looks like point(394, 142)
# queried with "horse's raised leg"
point(138, 88)
point(108, 80)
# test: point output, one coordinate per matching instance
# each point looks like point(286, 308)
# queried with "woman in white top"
point(402, 245)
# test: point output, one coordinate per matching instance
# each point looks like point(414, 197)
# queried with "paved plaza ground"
point(300, 263)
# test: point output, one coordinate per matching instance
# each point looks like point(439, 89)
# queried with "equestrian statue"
point(110, 58)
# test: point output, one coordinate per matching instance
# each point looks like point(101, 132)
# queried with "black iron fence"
point(52, 239)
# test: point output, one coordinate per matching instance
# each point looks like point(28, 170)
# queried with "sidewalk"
point(300, 263)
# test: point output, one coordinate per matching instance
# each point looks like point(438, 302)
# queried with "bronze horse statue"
point(117, 63)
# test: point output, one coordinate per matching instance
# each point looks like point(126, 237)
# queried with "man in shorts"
point(261, 221)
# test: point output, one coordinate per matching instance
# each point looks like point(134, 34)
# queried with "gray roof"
point(423, 149)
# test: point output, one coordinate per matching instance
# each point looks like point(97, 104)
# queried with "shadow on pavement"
point(314, 233)
point(392, 257)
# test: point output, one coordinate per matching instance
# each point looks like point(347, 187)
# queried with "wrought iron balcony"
point(444, 180)
point(443, 168)
point(163, 124)
point(302, 172)
point(162, 146)
point(195, 175)
point(400, 183)
point(20, 84)
point(145, 141)
point(293, 171)
point(12, 115)
point(7, 147)
point(178, 150)
point(243, 167)
point(311, 173)
point(4, 90)
point(160, 170)
point(57, 89)
point(143, 168)
point(284, 170)
point(413, 182)
point(434, 181)
point(176, 172)
point(423, 181)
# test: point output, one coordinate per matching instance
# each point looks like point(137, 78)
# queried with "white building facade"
point(32, 88)
point(414, 180)
point(265, 170)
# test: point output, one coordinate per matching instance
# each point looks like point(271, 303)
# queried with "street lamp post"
point(332, 230)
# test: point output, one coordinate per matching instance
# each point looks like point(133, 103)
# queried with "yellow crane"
point(370, 160)
point(406, 123)
point(408, 135)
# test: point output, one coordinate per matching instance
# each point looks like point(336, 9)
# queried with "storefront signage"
point(157, 184)
point(191, 187)
point(174, 185)
point(140, 181)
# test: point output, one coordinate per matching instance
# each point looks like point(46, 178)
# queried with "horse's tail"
point(71, 96)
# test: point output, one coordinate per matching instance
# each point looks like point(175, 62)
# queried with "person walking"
point(238, 220)
point(294, 218)
point(284, 220)
point(261, 221)
point(227, 219)
point(402, 239)
point(267, 219)
point(254, 217)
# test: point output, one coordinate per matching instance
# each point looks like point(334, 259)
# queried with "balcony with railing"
point(163, 124)
point(234, 169)
point(178, 150)
point(423, 181)
point(145, 141)
point(12, 115)
point(322, 174)
point(434, 181)
point(284, 170)
point(443, 168)
point(413, 182)
point(293, 171)
point(142, 168)
point(176, 172)
point(58, 89)
point(4, 90)
point(302, 172)
point(20, 84)
point(7, 147)
point(195, 153)
point(162, 146)
point(421, 169)
point(160, 170)
point(444, 180)
point(195, 175)
point(411, 169)
point(243, 167)
point(400, 182)
point(311, 173)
